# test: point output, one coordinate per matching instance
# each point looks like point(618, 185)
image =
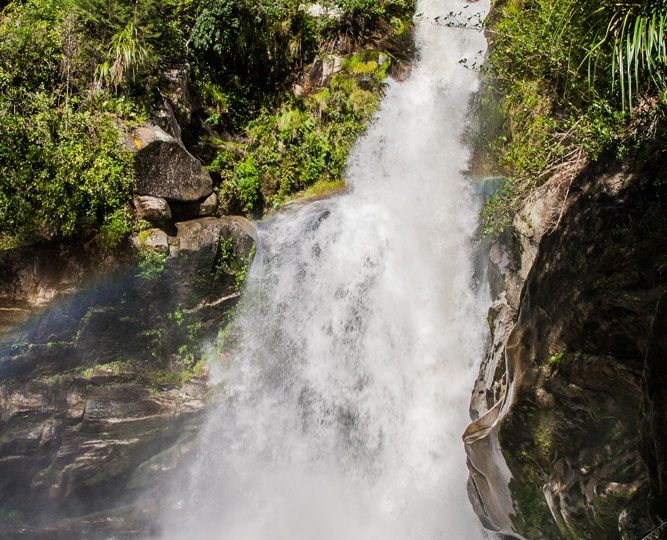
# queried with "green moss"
point(224, 334)
point(322, 189)
point(528, 443)
point(607, 509)
point(161, 379)
point(556, 360)
point(544, 443)
point(533, 519)
point(242, 274)
point(114, 367)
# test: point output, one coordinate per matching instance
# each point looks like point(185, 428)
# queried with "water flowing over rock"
point(337, 403)
point(345, 371)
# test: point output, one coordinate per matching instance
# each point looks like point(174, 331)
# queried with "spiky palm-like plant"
point(633, 31)
point(128, 54)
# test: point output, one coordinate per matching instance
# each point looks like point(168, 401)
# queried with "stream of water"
point(359, 336)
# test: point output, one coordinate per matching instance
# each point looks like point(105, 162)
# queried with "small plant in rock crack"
point(242, 274)
point(227, 262)
point(224, 258)
point(151, 264)
point(556, 360)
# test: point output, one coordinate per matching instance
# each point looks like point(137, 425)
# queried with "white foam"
point(345, 405)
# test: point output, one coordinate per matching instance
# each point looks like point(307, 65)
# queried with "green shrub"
point(305, 141)
point(151, 264)
point(555, 64)
point(63, 170)
point(247, 183)
point(629, 42)
point(116, 227)
point(73, 73)
point(367, 14)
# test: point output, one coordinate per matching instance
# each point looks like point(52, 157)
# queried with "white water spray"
point(344, 405)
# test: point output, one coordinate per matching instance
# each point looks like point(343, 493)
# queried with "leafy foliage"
point(307, 140)
point(62, 168)
point(366, 14)
point(151, 264)
point(567, 73)
point(246, 51)
point(634, 32)
point(73, 73)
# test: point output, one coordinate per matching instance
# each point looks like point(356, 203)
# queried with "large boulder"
point(208, 257)
point(165, 169)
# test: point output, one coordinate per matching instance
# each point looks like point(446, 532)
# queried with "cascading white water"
point(344, 403)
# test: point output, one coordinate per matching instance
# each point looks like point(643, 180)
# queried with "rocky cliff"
point(103, 390)
point(567, 438)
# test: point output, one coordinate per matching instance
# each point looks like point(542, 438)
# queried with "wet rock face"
point(103, 388)
point(574, 376)
point(653, 444)
point(73, 445)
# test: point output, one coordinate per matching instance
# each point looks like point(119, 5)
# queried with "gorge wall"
point(568, 433)
point(102, 390)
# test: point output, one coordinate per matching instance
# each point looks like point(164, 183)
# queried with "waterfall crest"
point(344, 403)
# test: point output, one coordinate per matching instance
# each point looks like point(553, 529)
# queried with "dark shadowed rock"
point(183, 211)
point(165, 169)
point(571, 395)
point(210, 206)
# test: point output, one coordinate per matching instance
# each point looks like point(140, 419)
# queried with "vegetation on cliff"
point(74, 74)
point(576, 80)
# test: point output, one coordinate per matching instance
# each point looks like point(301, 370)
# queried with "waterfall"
point(343, 402)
